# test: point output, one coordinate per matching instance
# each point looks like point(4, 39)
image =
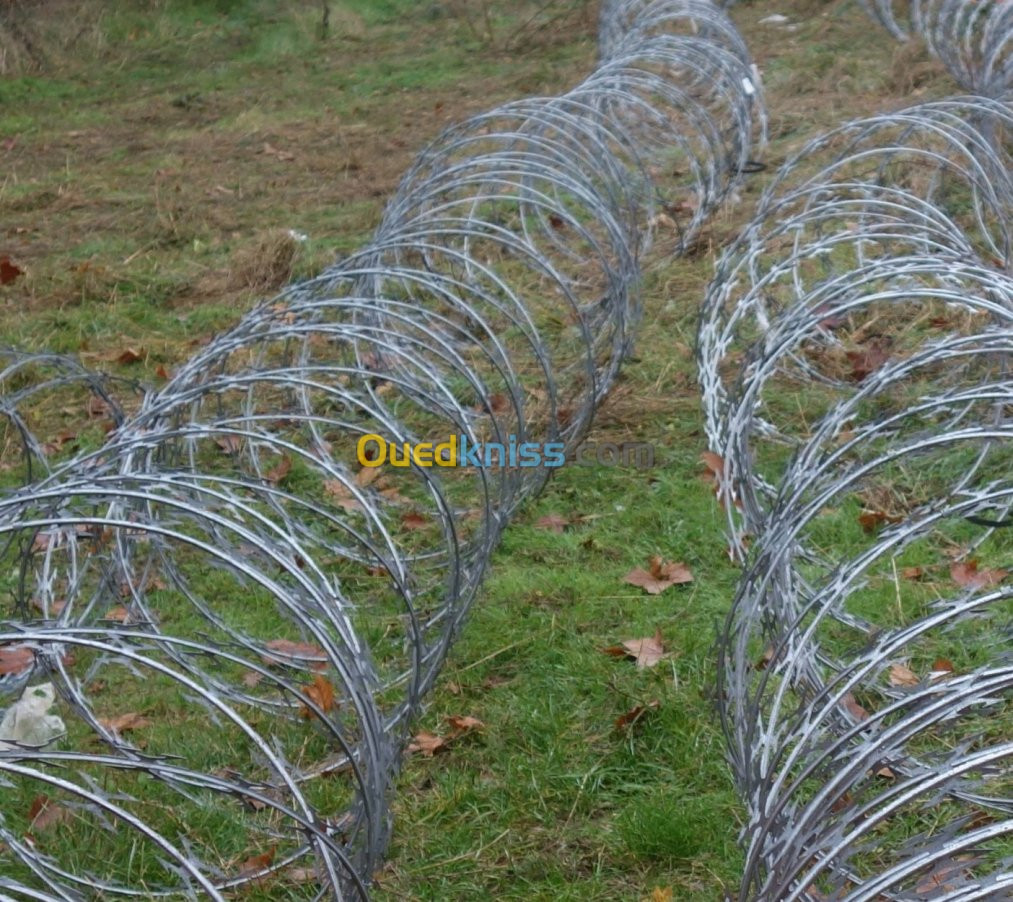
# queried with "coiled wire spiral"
point(226, 558)
point(972, 38)
point(855, 352)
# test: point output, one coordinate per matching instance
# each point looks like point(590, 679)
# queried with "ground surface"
point(149, 173)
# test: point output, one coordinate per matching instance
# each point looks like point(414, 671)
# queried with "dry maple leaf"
point(967, 574)
point(342, 494)
point(636, 714)
point(256, 863)
point(903, 676)
point(15, 658)
point(715, 465)
point(646, 652)
point(946, 876)
point(46, 813)
point(321, 693)
point(124, 723)
point(464, 724)
point(251, 678)
point(297, 652)
point(855, 709)
point(865, 361)
point(661, 575)
point(872, 520)
point(130, 355)
point(552, 522)
point(279, 471)
point(367, 476)
point(941, 667)
point(8, 271)
point(230, 444)
point(428, 744)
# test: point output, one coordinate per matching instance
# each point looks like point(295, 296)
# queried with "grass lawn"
point(150, 172)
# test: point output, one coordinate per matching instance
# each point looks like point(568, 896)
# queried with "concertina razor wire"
point(854, 354)
point(972, 38)
point(225, 558)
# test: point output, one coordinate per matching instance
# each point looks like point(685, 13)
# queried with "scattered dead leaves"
point(15, 658)
point(45, 813)
point(125, 723)
point(872, 520)
point(297, 653)
point(429, 744)
point(256, 863)
point(552, 522)
point(661, 575)
point(414, 520)
point(646, 652)
point(900, 675)
point(855, 709)
point(947, 875)
point(636, 714)
point(967, 574)
point(279, 471)
point(8, 271)
point(321, 693)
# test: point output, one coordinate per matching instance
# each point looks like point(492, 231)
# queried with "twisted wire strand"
point(228, 557)
point(855, 354)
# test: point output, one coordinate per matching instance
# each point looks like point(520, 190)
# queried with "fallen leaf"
point(15, 658)
point(660, 894)
point(553, 523)
point(279, 471)
point(130, 355)
point(428, 744)
point(903, 676)
point(321, 693)
point(646, 652)
point(967, 574)
point(162, 372)
point(283, 155)
point(46, 813)
point(946, 876)
point(301, 875)
point(124, 723)
point(367, 476)
point(256, 863)
point(635, 714)
point(941, 666)
point(297, 653)
point(763, 662)
point(661, 575)
point(252, 678)
point(413, 520)
point(886, 773)
point(715, 465)
point(230, 444)
point(865, 361)
point(912, 573)
point(855, 709)
point(340, 492)
point(872, 520)
point(464, 724)
point(8, 271)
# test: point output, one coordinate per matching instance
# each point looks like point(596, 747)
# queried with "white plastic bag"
point(28, 720)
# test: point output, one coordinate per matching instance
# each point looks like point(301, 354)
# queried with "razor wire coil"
point(854, 353)
point(227, 557)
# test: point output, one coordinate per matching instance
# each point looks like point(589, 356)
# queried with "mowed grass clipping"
point(164, 168)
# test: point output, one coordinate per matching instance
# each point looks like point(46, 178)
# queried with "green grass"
point(139, 184)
